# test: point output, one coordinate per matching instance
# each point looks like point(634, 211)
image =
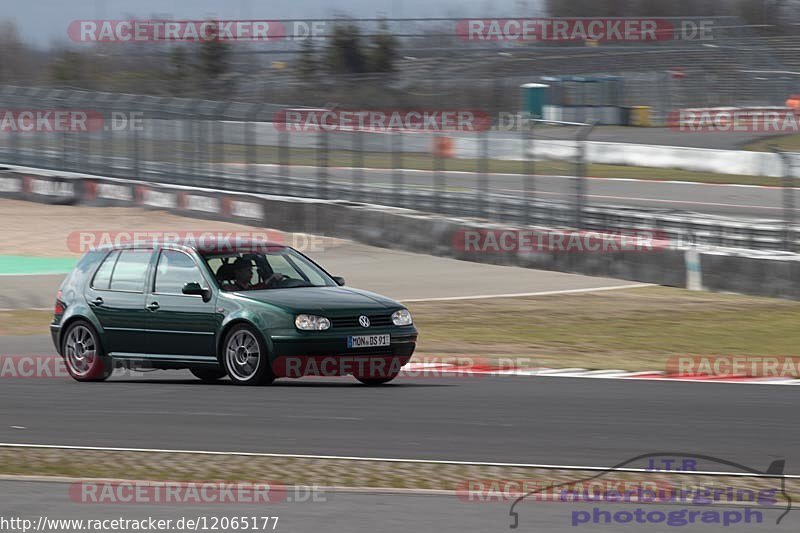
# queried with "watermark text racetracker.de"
point(722, 366)
point(375, 366)
point(45, 367)
point(487, 241)
point(584, 29)
point(381, 120)
point(733, 120)
point(221, 241)
point(68, 121)
point(97, 492)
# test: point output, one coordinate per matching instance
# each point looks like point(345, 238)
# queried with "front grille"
point(375, 321)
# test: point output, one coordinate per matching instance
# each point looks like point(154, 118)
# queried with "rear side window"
point(130, 270)
point(102, 278)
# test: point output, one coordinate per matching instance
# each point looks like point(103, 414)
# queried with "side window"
point(131, 270)
point(102, 278)
point(214, 263)
point(175, 269)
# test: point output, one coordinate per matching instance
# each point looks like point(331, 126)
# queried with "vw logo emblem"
point(364, 321)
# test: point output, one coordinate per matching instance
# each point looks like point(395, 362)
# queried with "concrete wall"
point(644, 155)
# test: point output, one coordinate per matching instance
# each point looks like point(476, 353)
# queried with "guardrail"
point(678, 228)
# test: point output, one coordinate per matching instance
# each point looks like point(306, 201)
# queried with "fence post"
point(438, 175)
point(580, 172)
point(250, 141)
point(201, 148)
point(322, 164)
point(529, 170)
point(283, 157)
point(483, 174)
point(218, 139)
point(787, 189)
point(14, 154)
point(397, 164)
point(191, 161)
point(358, 164)
point(136, 149)
point(64, 151)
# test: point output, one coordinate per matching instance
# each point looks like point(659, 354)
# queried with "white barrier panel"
point(640, 155)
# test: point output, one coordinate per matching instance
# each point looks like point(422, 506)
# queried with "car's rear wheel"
point(244, 357)
point(372, 382)
point(208, 374)
point(83, 355)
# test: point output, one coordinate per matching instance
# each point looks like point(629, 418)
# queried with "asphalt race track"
point(724, 200)
point(516, 419)
point(479, 418)
point(473, 418)
point(363, 513)
point(397, 274)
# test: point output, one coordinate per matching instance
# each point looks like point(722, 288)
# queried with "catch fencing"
point(240, 147)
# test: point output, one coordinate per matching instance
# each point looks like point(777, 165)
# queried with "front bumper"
point(327, 354)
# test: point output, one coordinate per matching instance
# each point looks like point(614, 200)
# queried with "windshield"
point(275, 268)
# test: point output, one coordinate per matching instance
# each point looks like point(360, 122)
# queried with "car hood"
point(329, 301)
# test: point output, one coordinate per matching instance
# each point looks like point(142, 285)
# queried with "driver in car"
point(243, 273)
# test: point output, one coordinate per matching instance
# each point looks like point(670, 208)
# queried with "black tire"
point(83, 354)
point(209, 375)
point(241, 362)
point(374, 382)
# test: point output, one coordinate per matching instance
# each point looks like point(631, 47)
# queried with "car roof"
point(205, 247)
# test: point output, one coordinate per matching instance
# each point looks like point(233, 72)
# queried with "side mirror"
point(339, 280)
point(195, 289)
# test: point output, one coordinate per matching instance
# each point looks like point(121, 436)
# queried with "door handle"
point(153, 306)
point(97, 301)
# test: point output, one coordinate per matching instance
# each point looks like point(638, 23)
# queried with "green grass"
point(25, 322)
point(789, 143)
point(635, 329)
point(632, 329)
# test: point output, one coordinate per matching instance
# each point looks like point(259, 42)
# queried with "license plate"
point(368, 341)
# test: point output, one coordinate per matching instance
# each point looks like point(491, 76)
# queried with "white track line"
point(521, 294)
point(388, 460)
point(583, 373)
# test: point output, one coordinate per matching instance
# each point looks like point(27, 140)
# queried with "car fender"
point(80, 311)
point(264, 319)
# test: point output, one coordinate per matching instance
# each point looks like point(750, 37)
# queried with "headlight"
point(401, 318)
point(311, 322)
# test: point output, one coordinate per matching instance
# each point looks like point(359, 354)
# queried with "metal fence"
point(238, 146)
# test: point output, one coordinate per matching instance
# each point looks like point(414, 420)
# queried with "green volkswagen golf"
point(253, 312)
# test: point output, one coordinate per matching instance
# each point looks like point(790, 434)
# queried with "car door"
point(181, 326)
point(116, 295)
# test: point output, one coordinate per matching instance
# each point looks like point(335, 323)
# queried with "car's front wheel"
point(208, 374)
point(244, 357)
point(83, 355)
